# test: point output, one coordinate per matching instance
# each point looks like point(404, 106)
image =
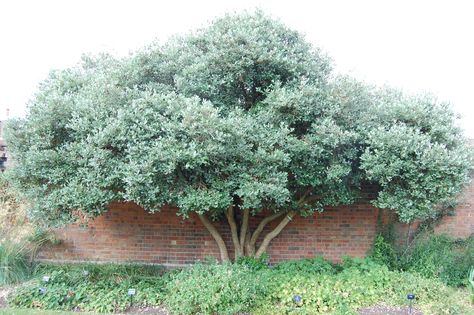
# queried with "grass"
point(15, 311)
point(14, 263)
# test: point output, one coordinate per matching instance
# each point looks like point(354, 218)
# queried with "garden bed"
point(311, 286)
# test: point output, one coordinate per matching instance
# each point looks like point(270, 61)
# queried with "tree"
point(240, 118)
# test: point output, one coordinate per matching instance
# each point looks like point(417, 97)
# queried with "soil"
point(381, 309)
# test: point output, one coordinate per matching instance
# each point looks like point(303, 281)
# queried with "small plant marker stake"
point(131, 293)
point(410, 298)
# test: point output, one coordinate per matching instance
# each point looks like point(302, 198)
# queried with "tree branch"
point(302, 199)
point(270, 236)
point(217, 237)
point(260, 227)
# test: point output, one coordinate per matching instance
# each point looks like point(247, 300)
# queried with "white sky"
point(414, 45)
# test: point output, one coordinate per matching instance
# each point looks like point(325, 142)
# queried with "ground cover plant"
point(236, 119)
point(98, 288)
point(310, 286)
point(16, 311)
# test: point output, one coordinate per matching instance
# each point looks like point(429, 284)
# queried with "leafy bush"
point(254, 263)
point(98, 288)
point(216, 289)
point(355, 286)
point(441, 256)
point(307, 266)
point(383, 252)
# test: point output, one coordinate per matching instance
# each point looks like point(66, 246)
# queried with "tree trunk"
point(249, 250)
point(270, 236)
point(245, 241)
point(230, 215)
point(217, 237)
point(243, 229)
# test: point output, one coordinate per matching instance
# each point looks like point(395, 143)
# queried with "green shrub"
point(254, 263)
point(216, 289)
point(14, 263)
point(383, 252)
point(316, 265)
point(441, 256)
point(323, 293)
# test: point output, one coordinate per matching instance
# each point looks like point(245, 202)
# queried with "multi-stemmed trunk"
point(245, 240)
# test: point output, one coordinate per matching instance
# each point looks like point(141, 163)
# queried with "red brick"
point(127, 233)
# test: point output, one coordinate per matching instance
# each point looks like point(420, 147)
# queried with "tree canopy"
point(237, 118)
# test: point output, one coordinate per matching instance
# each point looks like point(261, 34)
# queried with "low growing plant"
point(309, 286)
point(98, 288)
point(316, 265)
point(254, 263)
point(360, 283)
point(216, 289)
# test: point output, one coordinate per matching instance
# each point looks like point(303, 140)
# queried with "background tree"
point(233, 120)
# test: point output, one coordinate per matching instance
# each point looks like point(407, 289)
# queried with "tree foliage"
point(233, 119)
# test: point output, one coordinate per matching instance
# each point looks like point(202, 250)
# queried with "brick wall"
point(461, 222)
point(126, 233)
